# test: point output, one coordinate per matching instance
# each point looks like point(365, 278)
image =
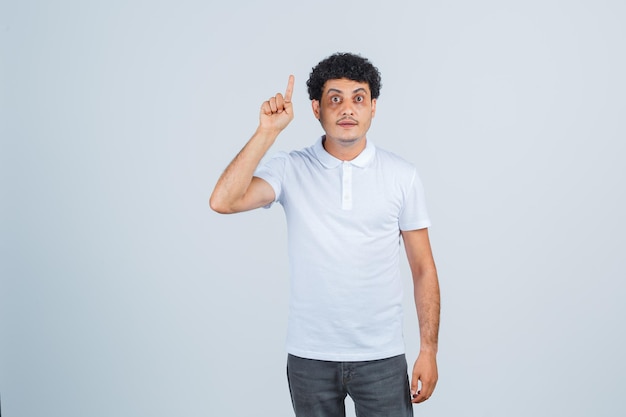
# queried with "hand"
point(277, 112)
point(425, 371)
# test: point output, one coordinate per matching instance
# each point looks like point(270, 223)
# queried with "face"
point(345, 111)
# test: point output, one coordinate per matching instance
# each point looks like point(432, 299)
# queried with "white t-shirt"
point(344, 221)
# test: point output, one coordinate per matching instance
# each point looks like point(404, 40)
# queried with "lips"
point(347, 123)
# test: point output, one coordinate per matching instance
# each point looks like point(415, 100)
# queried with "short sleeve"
point(273, 171)
point(414, 214)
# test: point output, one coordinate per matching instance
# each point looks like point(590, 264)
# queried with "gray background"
point(122, 294)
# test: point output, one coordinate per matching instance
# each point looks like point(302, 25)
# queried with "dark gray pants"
point(378, 388)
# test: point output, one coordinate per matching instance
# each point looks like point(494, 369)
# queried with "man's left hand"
point(424, 371)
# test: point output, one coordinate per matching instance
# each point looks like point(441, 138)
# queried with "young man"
point(347, 203)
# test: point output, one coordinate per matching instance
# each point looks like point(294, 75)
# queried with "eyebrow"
point(334, 90)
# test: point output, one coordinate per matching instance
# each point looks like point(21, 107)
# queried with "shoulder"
point(392, 161)
point(295, 157)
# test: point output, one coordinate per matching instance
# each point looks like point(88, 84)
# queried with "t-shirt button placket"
point(346, 203)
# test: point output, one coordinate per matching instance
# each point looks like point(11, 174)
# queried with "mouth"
point(347, 122)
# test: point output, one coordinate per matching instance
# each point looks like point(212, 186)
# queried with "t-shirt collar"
point(330, 161)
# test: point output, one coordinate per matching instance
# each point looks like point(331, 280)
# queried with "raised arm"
point(237, 189)
point(426, 293)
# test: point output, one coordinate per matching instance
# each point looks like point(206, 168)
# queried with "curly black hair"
point(343, 65)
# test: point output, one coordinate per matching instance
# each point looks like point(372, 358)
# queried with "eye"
point(359, 99)
point(335, 99)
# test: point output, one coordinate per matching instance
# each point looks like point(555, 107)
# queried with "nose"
point(347, 110)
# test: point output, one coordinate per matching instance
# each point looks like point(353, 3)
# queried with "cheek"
point(327, 112)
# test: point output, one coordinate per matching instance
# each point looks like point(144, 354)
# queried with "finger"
point(414, 386)
point(280, 102)
point(273, 106)
point(289, 90)
point(416, 396)
point(265, 108)
point(428, 388)
point(419, 396)
point(424, 392)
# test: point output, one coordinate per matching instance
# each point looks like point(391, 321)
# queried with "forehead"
point(345, 86)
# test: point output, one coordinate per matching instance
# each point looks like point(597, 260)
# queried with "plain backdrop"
point(122, 294)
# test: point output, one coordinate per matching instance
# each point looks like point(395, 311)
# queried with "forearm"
point(427, 303)
point(236, 178)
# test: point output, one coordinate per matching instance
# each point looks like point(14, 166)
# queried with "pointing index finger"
point(289, 90)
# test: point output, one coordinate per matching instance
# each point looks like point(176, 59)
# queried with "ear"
point(373, 107)
point(315, 105)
